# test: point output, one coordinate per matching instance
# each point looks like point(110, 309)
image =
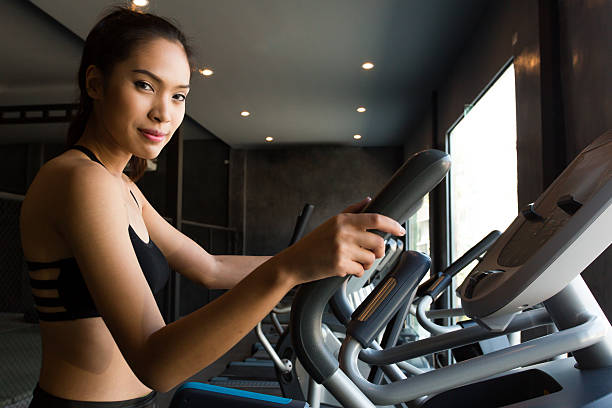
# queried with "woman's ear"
point(94, 82)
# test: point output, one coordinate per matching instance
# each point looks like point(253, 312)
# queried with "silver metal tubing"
point(442, 313)
point(314, 393)
point(514, 338)
point(282, 310)
point(589, 332)
point(427, 324)
point(11, 196)
point(468, 335)
point(277, 324)
point(567, 309)
point(409, 368)
point(346, 392)
point(211, 226)
point(391, 370)
point(284, 365)
point(400, 364)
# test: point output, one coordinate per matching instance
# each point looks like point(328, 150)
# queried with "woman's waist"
point(94, 374)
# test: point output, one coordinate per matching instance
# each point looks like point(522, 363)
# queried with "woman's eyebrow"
point(155, 77)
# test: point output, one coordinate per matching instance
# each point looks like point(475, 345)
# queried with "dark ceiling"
point(295, 65)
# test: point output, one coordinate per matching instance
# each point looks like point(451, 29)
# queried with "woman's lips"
point(153, 135)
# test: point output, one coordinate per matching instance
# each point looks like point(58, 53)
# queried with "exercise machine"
point(538, 259)
point(404, 193)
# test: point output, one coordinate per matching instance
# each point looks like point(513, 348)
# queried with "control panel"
point(549, 243)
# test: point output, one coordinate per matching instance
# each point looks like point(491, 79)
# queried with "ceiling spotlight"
point(356, 137)
point(206, 71)
point(244, 114)
point(269, 139)
point(361, 109)
point(367, 65)
point(140, 3)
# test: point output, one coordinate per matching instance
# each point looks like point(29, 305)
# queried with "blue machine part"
point(194, 395)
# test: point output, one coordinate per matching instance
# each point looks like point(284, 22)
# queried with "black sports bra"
point(73, 295)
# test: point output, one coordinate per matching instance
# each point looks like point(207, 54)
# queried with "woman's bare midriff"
point(81, 361)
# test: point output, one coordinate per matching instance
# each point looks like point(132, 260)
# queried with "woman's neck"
point(101, 143)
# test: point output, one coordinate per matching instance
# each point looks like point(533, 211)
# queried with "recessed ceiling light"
point(361, 109)
point(140, 3)
point(356, 137)
point(206, 71)
point(367, 65)
point(244, 114)
point(269, 139)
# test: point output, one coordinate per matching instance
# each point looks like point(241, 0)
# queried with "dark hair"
point(112, 40)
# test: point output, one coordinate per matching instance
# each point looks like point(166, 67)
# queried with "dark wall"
point(585, 43)
point(13, 168)
point(278, 182)
point(205, 191)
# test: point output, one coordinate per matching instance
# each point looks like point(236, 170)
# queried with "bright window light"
point(483, 175)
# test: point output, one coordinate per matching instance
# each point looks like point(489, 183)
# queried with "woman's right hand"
point(343, 245)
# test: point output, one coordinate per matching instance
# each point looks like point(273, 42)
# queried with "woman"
point(97, 250)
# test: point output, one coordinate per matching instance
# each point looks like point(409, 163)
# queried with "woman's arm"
point(231, 269)
point(191, 260)
point(94, 223)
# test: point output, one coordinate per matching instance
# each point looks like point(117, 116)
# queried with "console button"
point(530, 213)
point(476, 278)
point(568, 204)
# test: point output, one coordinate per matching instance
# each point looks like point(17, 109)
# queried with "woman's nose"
point(160, 112)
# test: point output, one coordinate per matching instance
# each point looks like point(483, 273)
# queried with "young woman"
point(97, 250)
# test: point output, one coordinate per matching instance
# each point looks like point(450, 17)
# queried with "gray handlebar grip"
point(385, 300)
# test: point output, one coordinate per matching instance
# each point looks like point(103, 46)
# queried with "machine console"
point(549, 243)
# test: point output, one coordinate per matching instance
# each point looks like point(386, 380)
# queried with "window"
point(483, 175)
point(418, 240)
point(418, 229)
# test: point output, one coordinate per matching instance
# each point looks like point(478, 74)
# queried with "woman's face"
point(143, 101)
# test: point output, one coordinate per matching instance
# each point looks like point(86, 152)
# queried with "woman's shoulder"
point(65, 179)
point(65, 188)
point(68, 169)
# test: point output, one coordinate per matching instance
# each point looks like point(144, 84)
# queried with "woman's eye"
point(180, 97)
point(144, 85)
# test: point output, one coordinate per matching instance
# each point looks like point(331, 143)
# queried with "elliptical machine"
point(404, 191)
point(537, 259)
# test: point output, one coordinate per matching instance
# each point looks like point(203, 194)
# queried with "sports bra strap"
point(35, 266)
point(134, 197)
point(48, 301)
point(43, 283)
point(93, 157)
point(88, 152)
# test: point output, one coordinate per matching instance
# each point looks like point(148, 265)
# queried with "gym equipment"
point(537, 259)
point(295, 381)
point(399, 199)
point(402, 195)
point(256, 374)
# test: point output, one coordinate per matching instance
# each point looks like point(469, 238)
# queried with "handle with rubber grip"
point(437, 284)
point(390, 294)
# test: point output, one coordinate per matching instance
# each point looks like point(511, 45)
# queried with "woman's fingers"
point(371, 221)
point(365, 258)
point(343, 245)
point(373, 242)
